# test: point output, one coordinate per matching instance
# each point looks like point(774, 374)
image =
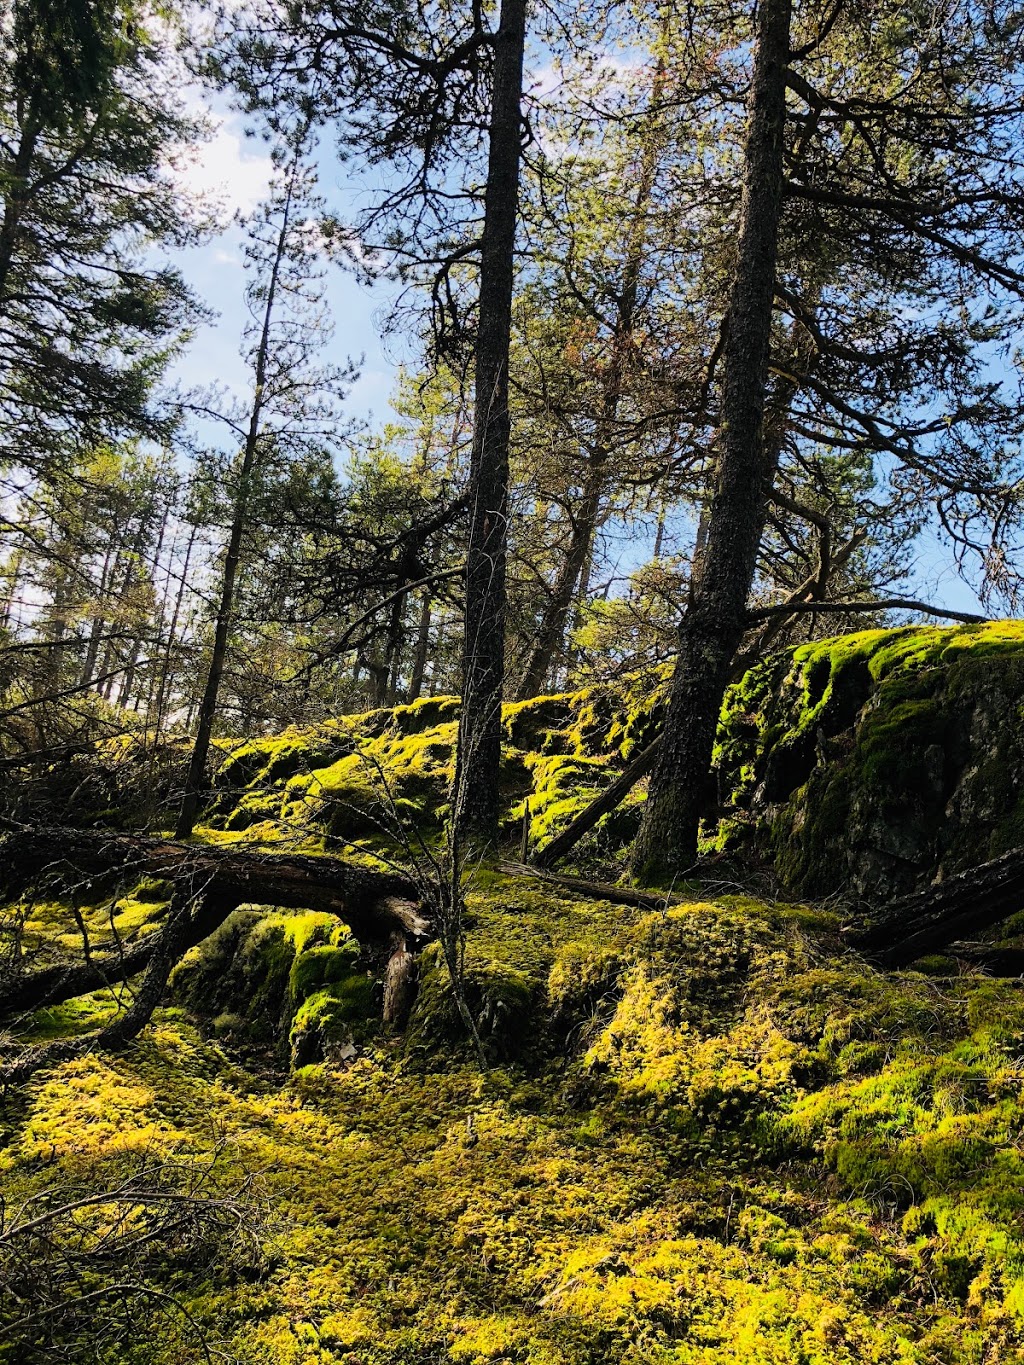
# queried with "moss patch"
point(876, 760)
point(717, 1143)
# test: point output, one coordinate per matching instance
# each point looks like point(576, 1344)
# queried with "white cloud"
point(227, 168)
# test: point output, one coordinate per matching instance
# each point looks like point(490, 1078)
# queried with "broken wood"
point(381, 908)
point(930, 920)
point(988, 958)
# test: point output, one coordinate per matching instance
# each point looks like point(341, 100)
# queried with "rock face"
point(878, 762)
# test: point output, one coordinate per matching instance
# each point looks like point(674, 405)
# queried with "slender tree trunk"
point(713, 626)
point(195, 781)
point(96, 630)
point(551, 631)
point(395, 649)
point(659, 537)
point(146, 623)
point(172, 631)
point(475, 791)
point(123, 620)
point(16, 195)
point(419, 662)
point(13, 575)
point(550, 637)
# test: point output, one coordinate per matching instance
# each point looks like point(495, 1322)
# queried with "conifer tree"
point(291, 399)
point(90, 128)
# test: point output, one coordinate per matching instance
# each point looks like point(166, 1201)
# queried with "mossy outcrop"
point(370, 780)
point(292, 983)
point(875, 762)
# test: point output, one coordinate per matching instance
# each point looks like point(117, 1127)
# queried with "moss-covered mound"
point(292, 982)
point(383, 778)
point(874, 762)
point(706, 1138)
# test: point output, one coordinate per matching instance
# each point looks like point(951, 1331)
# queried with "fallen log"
point(929, 921)
point(380, 908)
point(608, 800)
point(598, 891)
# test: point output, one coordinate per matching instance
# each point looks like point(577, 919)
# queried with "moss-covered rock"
point(874, 762)
point(373, 780)
point(292, 982)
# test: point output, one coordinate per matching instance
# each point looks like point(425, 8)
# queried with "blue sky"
point(236, 169)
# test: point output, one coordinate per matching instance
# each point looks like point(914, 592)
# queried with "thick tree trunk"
point(713, 626)
point(475, 791)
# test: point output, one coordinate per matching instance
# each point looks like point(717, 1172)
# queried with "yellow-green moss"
point(738, 1149)
point(254, 977)
point(875, 759)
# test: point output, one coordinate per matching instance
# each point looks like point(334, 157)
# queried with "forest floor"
point(706, 1135)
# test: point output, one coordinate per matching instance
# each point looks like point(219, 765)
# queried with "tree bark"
point(159, 708)
point(611, 797)
point(550, 637)
point(475, 790)
point(713, 625)
point(605, 891)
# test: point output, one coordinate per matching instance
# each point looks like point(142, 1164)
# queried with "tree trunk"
point(713, 625)
point(550, 637)
point(17, 191)
point(395, 649)
point(172, 630)
point(419, 662)
point(9, 620)
point(475, 790)
point(929, 921)
point(607, 801)
point(551, 631)
point(96, 630)
point(195, 781)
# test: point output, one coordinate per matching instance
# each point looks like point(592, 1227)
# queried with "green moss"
point(705, 1139)
point(254, 974)
point(322, 965)
point(875, 760)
